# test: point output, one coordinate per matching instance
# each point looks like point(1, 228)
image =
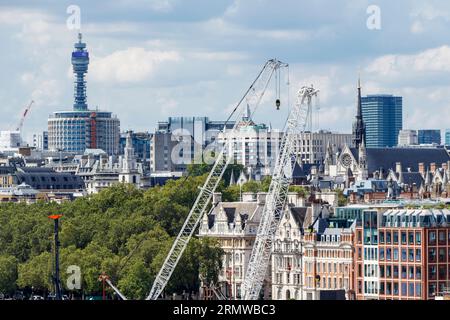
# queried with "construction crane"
point(253, 97)
point(24, 115)
point(277, 195)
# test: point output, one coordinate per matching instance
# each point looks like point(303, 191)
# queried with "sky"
point(158, 58)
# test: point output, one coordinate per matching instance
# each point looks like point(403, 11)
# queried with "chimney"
point(398, 167)
point(261, 198)
point(433, 167)
point(422, 168)
point(217, 197)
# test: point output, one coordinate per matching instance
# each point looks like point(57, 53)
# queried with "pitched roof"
point(386, 158)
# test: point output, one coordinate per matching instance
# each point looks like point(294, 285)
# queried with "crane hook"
point(278, 103)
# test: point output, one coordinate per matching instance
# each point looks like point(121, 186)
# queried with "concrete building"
point(81, 128)
point(255, 146)
point(312, 147)
point(234, 225)
point(287, 255)
point(40, 141)
point(10, 141)
point(407, 138)
point(180, 141)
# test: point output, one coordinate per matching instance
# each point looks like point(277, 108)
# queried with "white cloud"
point(431, 60)
point(130, 65)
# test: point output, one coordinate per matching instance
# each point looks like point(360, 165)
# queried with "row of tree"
point(122, 231)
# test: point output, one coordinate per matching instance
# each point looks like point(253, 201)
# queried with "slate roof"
point(386, 158)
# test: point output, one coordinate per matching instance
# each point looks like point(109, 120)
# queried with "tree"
point(8, 274)
point(37, 272)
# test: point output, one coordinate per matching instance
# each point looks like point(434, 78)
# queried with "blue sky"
point(156, 58)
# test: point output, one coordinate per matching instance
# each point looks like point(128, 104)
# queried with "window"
point(411, 289)
point(441, 237)
point(411, 255)
point(381, 271)
point(388, 254)
point(388, 271)
point(388, 237)
point(432, 272)
point(418, 273)
point(418, 237)
point(418, 255)
point(432, 255)
point(411, 237)
point(403, 254)
point(432, 238)
point(442, 272)
point(403, 237)
point(381, 237)
point(382, 254)
point(403, 272)
point(395, 254)
point(395, 237)
point(404, 287)
point(418, 289)
point(395, 288)
point(411, 272)
point(442, 255)
point(395, 272)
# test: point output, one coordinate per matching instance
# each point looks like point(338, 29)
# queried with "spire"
point(232, 181)
point(359, 130)
point(129, 161)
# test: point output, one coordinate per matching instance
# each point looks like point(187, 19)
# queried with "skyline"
point(148, 60)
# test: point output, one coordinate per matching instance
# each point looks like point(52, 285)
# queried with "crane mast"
point(253, 97)
point(24, 115)
point(277, 195)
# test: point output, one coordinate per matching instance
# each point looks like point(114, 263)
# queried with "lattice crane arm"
point(277, 196)
point(24, 115)
point(253, 97)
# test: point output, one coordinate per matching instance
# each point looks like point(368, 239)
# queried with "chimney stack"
point(398, 167)
point(433, 167)
point(217, 197)
point(422, 168)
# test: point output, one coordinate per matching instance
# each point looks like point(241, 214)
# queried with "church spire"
point(359, 128)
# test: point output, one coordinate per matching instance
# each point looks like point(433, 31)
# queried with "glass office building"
point(429, 136)
point(447, 137)
point(383, 118)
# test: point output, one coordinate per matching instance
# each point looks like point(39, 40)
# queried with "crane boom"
point(253, 98)
point(24, 115)
point(277, 196)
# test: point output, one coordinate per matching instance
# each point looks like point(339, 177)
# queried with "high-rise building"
point(447, 137)
point(429, 136)
point(81, 128)
point(182, 140)
point(382, 116)
point(40, 141)
point(407, 138)
point(140, 142)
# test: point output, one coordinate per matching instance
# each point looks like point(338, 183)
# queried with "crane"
point(277, 195)
point(24, 115)
point(253, 97)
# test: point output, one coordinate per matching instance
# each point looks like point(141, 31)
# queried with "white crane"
point(253, 98)
point(277, 195)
